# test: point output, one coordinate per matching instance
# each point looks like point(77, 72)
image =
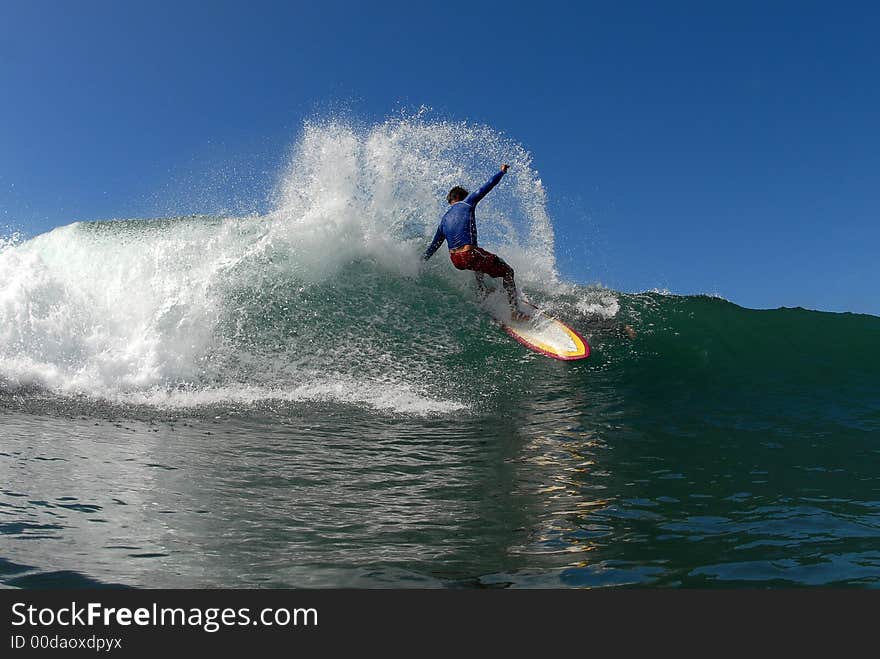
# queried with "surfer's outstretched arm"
point(475, 197)
point(435, 244)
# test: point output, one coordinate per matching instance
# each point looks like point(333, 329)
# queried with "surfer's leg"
point(494, 266)
point(498, 268)
point(481, 283)
point(510, 286)
point(469, 260)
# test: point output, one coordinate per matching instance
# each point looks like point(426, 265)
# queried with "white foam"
point(599, 302)
point(386, 397)
point(10, 240)
point(352, 192)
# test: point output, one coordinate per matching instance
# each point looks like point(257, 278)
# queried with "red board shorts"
point(479, 260)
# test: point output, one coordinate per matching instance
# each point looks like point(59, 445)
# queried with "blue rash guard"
point(459, 224)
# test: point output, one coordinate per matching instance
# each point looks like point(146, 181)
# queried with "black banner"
point(123, 622)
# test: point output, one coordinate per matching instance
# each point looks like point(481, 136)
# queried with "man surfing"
point(459, 229)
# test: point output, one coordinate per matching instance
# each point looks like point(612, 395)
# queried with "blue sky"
point(691, 146)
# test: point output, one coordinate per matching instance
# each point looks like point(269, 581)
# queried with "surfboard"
point(541, 332)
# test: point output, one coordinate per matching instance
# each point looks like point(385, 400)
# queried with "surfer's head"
point(457, 194)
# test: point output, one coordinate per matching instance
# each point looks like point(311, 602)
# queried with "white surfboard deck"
point(540, 332)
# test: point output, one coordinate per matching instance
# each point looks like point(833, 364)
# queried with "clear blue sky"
point(699, 147)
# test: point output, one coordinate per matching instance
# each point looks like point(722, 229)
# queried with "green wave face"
point(708, 357)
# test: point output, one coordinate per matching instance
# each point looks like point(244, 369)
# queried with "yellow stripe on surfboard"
point(575, 339)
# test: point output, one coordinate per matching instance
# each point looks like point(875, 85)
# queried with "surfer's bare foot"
point(629, 331)
point(519, 316)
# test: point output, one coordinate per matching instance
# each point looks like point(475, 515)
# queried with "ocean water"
point(292, 400)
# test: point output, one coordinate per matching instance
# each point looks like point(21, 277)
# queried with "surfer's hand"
point(504, 168)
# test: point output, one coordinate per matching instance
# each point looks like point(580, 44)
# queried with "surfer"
point(459, 229)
